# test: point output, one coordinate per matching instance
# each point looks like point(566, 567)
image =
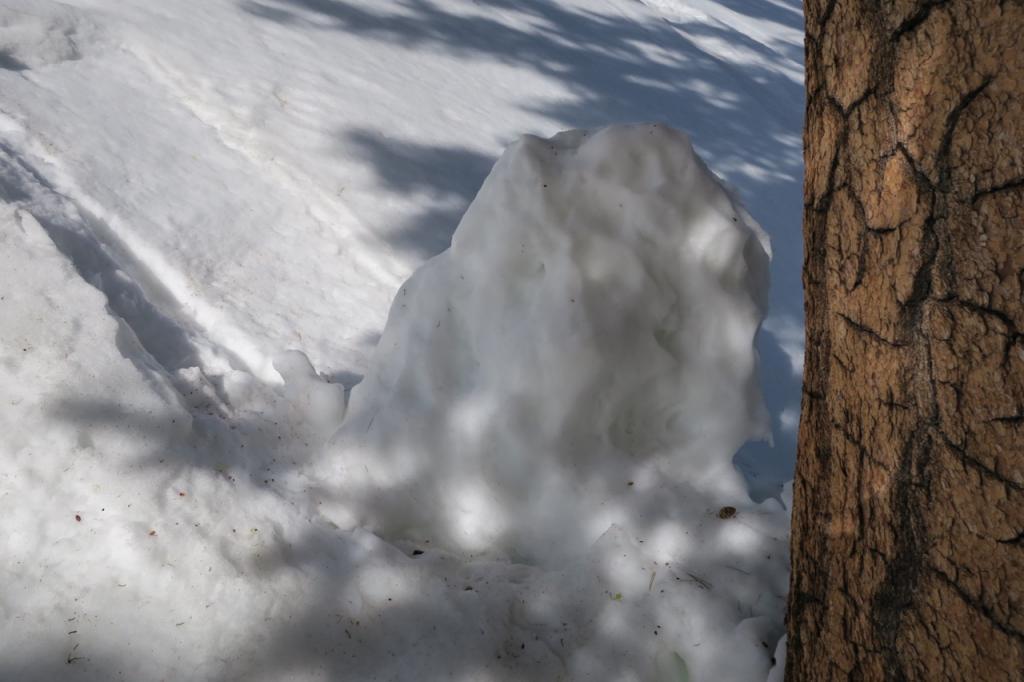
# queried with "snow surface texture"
point(582, 356)
point(206, 208)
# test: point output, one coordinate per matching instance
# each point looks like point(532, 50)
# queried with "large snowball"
point(587, 341)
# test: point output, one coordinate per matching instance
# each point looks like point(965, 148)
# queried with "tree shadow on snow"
point(350, 606)
point(447, 177)
point(744, 118)
point(744, 114)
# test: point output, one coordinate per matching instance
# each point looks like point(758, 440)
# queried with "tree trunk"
point(908, 519)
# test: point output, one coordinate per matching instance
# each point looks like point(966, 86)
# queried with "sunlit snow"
point(208, 209)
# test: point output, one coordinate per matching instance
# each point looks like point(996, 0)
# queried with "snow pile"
point(581, 357)
point(555, 402)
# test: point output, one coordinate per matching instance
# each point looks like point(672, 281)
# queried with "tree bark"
point(908, 518)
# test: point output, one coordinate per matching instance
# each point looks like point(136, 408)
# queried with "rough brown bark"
point(908, 519)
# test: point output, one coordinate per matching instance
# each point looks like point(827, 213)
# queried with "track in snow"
point(168, 339)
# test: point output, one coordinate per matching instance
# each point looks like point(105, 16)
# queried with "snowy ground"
point(191, 188)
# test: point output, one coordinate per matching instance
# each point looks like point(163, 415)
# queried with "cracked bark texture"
point(908, 519)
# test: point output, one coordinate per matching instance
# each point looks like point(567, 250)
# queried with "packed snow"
point(207, 210)
point(581, 357)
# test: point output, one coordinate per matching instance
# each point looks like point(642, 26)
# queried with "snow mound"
point(581, 358)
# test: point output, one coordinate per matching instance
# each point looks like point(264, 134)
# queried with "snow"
point(581, 356)
point(206, 209)
point(567, 385)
